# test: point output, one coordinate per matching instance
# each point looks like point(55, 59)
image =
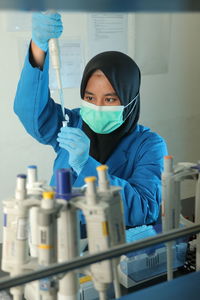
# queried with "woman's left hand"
point(76, 142)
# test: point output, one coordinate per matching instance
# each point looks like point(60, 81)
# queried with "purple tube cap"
point(64, 184)
point(21, 176)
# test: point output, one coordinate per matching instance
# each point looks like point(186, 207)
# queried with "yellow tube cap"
point(102, 168)
point(168, 157)
point(48, 195)
point(90, 179)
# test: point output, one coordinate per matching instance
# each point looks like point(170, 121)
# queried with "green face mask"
point(103, 119)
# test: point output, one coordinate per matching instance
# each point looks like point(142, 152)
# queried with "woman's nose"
point(99, 102)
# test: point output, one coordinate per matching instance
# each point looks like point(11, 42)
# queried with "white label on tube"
point(22, 229)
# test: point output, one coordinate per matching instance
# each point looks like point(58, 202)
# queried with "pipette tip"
point(66, 120)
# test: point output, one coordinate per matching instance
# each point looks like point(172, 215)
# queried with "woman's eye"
point(110, 100)
point(89, 98)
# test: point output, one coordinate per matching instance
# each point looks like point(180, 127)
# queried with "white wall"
point(169, 102)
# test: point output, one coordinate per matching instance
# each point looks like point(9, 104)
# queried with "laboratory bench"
point(181, 288)
point(184, 286)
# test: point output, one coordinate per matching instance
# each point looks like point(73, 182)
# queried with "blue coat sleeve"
point(39, 114)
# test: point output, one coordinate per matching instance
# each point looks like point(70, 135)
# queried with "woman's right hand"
point(45, 26)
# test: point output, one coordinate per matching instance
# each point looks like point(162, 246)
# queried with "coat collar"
point(121, 155)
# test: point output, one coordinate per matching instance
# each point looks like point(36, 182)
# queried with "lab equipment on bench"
point(55, 223)
point(15, 238)
point(54, 231)
point(171, 200)
point(146, 264)
point(136, 268)
point(68, 234)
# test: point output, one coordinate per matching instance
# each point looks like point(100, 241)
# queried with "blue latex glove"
point(45, 26)
point(76, 142)
point(140, 232)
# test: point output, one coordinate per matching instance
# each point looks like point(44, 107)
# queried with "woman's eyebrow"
point(89, 93)
point(111, 94)
point(107, 94)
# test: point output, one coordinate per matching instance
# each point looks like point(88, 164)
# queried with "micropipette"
point(56, 64)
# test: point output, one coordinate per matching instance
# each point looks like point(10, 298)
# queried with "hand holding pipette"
point(45, 26)
point(76, 142)
point(46, 29)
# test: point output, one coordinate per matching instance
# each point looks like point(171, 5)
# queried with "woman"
point(104, 130)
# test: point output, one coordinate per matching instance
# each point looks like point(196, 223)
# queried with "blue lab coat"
point(135, 165)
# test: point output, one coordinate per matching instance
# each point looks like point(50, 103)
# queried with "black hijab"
point(124, 76)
